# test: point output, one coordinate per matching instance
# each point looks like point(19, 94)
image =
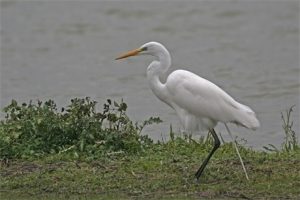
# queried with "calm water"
point(61, 50)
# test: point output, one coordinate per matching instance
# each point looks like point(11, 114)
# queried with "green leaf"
point(116, 104)
point(82, 142)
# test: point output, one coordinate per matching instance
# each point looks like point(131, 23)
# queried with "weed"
point(291, 140)
point(39, 129)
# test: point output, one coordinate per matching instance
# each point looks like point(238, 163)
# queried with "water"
point(61, 50)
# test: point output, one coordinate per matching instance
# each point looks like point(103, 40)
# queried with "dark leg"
point(216, 146)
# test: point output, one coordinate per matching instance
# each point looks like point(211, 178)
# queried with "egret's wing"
point(205, 99)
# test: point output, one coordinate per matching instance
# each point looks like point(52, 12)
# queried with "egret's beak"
point(130, 53)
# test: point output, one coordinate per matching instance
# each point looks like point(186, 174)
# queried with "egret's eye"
point(144, 48)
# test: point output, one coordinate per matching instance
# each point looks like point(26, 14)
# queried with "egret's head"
point(150, 48)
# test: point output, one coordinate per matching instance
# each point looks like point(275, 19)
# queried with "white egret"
point(199, 103)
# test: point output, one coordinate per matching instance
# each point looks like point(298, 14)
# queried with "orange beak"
point(129, 53)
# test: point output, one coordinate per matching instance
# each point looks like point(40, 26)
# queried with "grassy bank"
point(164, 171)
point(103, 156)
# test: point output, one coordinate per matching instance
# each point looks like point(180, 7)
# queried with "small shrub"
point(38, 129)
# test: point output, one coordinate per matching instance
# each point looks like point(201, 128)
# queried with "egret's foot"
point(197, 180)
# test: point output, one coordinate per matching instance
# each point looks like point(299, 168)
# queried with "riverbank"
point(164, 171)
point(79, 153)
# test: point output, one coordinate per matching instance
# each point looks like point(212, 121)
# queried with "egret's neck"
point(161, 64)
point(154, 70)
point(164, 59)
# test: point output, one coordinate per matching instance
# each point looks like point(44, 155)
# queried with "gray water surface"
point(60, 50)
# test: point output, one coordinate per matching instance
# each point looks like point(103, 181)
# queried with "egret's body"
point(198, 102)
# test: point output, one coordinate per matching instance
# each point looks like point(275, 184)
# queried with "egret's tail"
point(247, 117)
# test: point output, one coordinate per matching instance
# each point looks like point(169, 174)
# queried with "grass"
point(165, 171)
point(162, 170)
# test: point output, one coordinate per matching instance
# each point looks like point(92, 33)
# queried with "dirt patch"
point(19, 168)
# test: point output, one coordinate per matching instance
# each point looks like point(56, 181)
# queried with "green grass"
point(162, 170)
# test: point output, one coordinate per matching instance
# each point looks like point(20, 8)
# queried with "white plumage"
point(199, 103)
point(197, 100)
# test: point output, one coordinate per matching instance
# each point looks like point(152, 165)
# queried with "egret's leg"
point(216, 146)
point(237, 151)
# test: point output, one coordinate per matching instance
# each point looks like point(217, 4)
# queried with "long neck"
point(165, 60)
point(154, 70)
